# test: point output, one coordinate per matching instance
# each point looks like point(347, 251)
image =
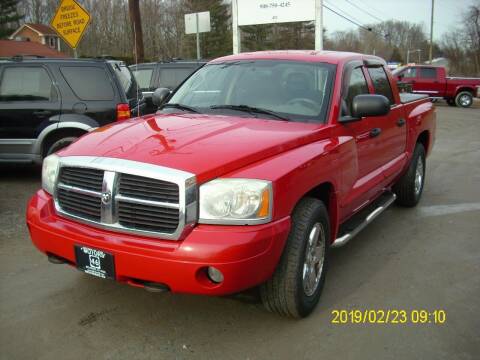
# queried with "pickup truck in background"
point(433, 81)
point(250, 172)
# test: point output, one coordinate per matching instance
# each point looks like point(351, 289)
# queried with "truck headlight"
point(49, 172)
point(236, 202)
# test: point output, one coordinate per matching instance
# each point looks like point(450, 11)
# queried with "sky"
point(447, 13)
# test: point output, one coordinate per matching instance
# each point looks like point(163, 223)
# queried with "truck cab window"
point(428, 73)
point(26, 84)
point(357, 85)
point(381, 83)
point(410, 73)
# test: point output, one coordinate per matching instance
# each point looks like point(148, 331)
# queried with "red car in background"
point(433, 81)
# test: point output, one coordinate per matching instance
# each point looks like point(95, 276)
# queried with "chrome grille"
point(86, 206)
point(126, 196)
point(148, 189)
point(85, 178)
point(150, 218)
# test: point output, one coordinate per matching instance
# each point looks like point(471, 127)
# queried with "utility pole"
point(318, 25)
point(237, 41)
point(431, 34)
point(198, 37)
point(136, 21)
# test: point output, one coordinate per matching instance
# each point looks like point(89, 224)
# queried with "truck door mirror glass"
point(370, 105)
point(160, 95)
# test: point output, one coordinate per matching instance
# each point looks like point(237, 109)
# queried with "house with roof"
point(38, 33)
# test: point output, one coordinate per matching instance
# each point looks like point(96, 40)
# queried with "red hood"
point(205, 145)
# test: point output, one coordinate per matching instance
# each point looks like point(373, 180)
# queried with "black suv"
point(164, 74)
point(45, 104)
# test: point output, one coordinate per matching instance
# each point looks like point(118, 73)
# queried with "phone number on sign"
point(388, 317)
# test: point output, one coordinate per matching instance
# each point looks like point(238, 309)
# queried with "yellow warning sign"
point(70, 22)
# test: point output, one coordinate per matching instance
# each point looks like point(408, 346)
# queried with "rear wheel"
point(410, 186)
point(464, 99)
point(295, 287)
point(59, 144)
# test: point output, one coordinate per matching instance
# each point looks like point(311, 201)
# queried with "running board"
point(359, 221)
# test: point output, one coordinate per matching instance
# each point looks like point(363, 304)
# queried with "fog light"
point(215, 275)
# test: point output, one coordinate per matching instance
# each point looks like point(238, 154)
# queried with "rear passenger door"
point(428, 82)
point(392, 138)
point(28, 98)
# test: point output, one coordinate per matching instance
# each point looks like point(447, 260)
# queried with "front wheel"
point(464, 99)
point(410, 186)
point(295, 287)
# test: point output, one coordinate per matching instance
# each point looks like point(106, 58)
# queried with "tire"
point(59, 144)
point(464, 99)
point(451, 102)
point(287, 293)
point(410, 186)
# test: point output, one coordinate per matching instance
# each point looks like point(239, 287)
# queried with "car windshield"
point(297, 91)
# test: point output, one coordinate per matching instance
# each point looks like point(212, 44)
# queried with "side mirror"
point(160, 95)
point(370, 105)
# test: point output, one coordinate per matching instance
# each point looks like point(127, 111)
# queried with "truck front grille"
point(123, 201)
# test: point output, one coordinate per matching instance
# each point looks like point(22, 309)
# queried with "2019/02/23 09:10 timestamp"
point(389, 316)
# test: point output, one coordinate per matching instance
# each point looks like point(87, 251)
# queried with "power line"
point(337, 8)
point(365, 11)
point(376, 10)
point(348, 19)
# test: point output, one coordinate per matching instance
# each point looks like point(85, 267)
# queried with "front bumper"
point(246, 255)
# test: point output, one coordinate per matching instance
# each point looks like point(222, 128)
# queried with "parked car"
point(45, 104)
point(163, 74)
point(257, 165)
point(432, 81)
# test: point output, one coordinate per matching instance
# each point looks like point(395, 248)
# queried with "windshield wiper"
point(181, 107)
point(251, 109)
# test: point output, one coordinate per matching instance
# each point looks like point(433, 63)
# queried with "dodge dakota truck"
point(247, 176)
point(434, 82)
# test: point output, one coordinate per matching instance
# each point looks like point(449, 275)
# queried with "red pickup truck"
point(249, 173)
point(432, 81)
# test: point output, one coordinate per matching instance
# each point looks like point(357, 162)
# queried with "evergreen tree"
point(9, 17)
point(217, 42)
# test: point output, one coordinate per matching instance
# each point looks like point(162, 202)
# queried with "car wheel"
point(464, 99)
point(410, 186)
point(295, 287)
point(451, 102)
point(60, 144)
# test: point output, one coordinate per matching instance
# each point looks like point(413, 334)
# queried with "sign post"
point(70, 21)
point(197, 23)
point(255, 12)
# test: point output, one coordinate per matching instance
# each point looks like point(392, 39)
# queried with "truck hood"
point(205, 145)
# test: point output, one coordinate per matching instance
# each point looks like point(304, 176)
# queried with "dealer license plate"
point(95, 262)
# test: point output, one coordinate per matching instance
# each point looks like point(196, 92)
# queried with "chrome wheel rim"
point(314, 259)
point(419, 176)
point(464, 100)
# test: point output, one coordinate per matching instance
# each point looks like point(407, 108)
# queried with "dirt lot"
point(422, 258)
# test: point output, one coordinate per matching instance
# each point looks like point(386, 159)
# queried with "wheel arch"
point(464, 88)
point(424, 139)
point(327, 194)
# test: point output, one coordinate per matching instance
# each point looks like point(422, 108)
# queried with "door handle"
point(42, 113)
point(400, 122)
point(375, 132)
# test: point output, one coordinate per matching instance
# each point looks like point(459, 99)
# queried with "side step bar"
point(359, 221)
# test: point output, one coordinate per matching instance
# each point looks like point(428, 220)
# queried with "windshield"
point(298, 91)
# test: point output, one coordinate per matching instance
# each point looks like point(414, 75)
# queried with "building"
point(37, 33)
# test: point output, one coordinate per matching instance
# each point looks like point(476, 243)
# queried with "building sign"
point(70, 22)
point(254, 12)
